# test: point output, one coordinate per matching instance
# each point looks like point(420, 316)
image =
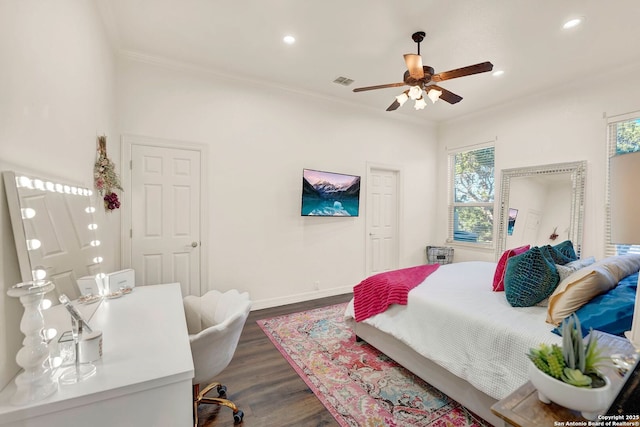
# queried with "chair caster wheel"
point(237, 417)
point(222, 391)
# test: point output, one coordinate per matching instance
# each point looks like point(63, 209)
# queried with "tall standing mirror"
point(542, 205)
point(54, 231)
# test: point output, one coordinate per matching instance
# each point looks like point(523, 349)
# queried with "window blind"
point(623, 136)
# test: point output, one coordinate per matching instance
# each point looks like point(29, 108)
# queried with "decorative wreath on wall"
point(105, 178)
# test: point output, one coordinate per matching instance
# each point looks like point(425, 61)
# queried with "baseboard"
point(291, 299)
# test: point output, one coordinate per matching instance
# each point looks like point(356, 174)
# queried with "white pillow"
point(565, 270)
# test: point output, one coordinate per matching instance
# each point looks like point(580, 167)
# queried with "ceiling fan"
point(421, 78)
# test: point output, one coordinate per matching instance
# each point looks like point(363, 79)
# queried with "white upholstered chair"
point(215, 321)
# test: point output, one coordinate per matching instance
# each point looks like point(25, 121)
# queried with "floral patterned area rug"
point(359, 385)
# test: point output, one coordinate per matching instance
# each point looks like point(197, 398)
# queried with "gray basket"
point(439, 254)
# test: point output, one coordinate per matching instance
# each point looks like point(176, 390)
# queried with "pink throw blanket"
point(374, 294)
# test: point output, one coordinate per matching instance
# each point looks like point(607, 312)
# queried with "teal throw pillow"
point(530, 277)
point(563, 253)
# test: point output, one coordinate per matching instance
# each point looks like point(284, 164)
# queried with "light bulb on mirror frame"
point(33, 244)
point(24, 181)
point(28, 213)
point(39, 273)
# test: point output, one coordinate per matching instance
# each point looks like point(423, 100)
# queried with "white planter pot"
point(591, 402)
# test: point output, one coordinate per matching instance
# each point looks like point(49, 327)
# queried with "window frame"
point(452, 204)
point(611, 249)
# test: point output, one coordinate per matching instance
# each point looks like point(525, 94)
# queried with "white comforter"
point(456, 320)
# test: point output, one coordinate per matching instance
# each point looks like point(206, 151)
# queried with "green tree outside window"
point(473, 195)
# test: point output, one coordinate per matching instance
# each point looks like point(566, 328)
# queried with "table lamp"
point(624, 180)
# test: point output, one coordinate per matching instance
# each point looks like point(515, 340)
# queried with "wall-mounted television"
point(330, 194)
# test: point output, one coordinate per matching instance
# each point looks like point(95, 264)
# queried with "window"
point(624, 137)
point(471, 175)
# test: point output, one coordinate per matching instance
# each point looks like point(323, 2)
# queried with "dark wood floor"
point(263, 384)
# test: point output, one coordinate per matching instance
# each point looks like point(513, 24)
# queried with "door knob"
point(194, 244)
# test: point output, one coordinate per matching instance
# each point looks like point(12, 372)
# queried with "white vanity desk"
point(144, 376)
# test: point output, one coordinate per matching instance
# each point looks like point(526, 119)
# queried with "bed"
point(459, 335)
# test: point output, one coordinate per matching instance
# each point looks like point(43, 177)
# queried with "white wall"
point(260, 138)
point(57, 84)
point(563, 125)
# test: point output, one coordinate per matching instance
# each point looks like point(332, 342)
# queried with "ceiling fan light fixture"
point(418, 79)
point(420, 104)
point(414, 65)
point(415, 92)
point(402, 98)
point(434, 95)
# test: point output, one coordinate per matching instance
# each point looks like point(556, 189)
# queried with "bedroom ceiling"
point(365, 40)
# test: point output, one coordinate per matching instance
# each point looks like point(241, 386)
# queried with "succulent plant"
point(576, 362)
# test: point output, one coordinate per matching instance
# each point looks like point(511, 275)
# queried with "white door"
point(68, 244)
point(532, 226)
point(165, 216)
point(382, 220)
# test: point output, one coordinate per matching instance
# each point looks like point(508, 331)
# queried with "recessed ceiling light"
point(289, 39)
point(571, 23)
point(497, 73)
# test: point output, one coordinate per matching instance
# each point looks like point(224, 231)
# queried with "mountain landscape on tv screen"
point(327, 197)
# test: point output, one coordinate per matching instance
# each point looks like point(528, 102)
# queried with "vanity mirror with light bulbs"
point(54, 230)
point(542, 205)
point(56, 237)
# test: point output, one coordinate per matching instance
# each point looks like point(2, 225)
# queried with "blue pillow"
point(611, 312)
point(562, 253)
point(530, 277)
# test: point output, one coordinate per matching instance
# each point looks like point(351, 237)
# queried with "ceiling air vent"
point(344, 81)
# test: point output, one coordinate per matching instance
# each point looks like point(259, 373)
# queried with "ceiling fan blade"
point(361, 89)
point(414, 65)
point(446, 95)
point(482, 67)
point(393, 106)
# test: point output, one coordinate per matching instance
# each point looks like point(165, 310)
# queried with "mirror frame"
point(577, 171)
point(15, 205)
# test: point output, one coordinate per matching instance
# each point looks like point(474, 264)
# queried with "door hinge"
point(130, 164)
point(131, 233)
